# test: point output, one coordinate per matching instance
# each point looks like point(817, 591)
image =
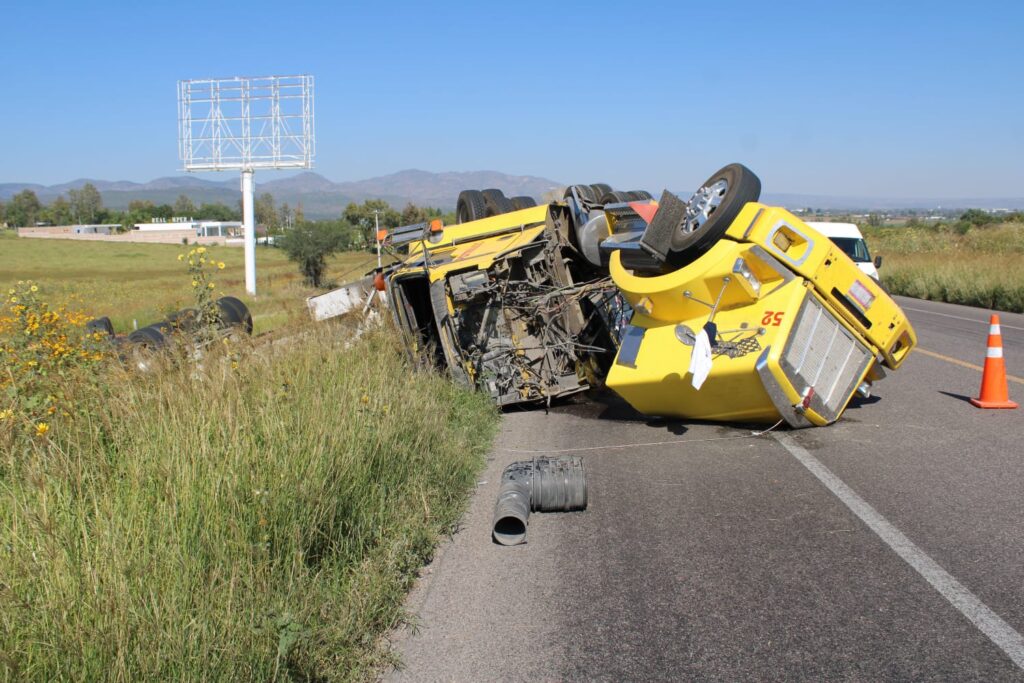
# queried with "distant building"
point(194, 228)
point(218, 228)
point(97, 229)
point(159, 224)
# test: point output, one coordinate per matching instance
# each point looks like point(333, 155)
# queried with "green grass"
point(981, 267)
point(143, 282)
point(255, 524)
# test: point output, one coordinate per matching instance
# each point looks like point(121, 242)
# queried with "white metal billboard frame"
point(244, 124)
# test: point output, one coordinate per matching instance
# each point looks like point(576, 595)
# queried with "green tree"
point(139, 211)
point(217, 212)
point(59, 211)
point(286, 215)
point(184, 206)
point(413, 214)
point(875, 220)
point(977, 217)
point(264, 209)
point(310, 243)
point(23, 209)
point(3, 215)
point(86, 204)
point(362, 216)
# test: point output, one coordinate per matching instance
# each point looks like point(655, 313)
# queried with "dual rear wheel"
point(476, 204)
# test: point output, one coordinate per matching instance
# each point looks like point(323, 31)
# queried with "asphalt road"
point(717, 555)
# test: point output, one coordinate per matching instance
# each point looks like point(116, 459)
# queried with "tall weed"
point(982, 267)
point(257, 523)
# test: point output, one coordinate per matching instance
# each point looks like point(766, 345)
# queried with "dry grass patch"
point(143, 282)
point(251, 524)
point(983, 267)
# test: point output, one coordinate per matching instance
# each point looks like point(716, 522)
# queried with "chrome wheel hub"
point(702, 204)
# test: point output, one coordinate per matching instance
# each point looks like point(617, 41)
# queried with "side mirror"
point(878, 262)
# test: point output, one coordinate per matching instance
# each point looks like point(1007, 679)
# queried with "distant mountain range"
point(320, 197)
point(323, 198)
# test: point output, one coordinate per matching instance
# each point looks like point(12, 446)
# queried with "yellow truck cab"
point(793, 327)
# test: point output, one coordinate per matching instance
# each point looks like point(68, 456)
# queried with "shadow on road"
point(965, 399)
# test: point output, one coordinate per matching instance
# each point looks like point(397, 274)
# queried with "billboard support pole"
point(244, 124)
point(249, 229)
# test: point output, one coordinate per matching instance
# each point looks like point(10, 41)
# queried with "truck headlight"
point(746, 278)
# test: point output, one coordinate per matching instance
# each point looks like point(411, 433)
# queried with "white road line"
point(987, 621)
point(958, 317)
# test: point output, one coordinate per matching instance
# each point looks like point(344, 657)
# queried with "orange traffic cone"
point(994, 392)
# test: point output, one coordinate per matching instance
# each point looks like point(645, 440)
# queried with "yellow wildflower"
point(42, 428)
point(195, 283)
point(220, 265)
point(201, 250)
point(210, 285)
point(6, 414)
point(181, 257)
point(33, 288)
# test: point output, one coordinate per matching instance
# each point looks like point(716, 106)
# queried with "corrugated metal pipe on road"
point(538, 485)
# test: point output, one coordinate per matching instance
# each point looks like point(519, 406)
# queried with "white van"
point(848, 238)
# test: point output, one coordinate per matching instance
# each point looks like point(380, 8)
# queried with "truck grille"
point(821, 354)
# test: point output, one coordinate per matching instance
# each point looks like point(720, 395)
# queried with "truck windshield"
point(854, 247)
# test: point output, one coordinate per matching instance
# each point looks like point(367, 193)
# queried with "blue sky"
point(884, 99)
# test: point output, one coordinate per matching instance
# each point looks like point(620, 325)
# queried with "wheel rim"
point(702, 204)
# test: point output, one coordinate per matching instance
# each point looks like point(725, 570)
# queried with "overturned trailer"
point(715, 308)
point(506, 304)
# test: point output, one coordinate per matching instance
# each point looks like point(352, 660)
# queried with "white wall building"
point(218, 228)
point(158, 225)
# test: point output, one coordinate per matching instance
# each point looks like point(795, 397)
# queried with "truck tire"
point(600, 189)
point(639, 195)
point(143, 347)
point(184, 320)
point(717, 203)
point(615, 197)
point(496, 202)
point(149, 337)
point(523, 202)
point(101, 325)
point(585, 192)
point(234, 313)
point(470, 207)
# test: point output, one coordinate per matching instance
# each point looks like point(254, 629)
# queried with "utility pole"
point(376, 234)
point(249, 230)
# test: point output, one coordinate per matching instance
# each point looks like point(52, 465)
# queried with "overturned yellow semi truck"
point(716, 308)
point(789, 327)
